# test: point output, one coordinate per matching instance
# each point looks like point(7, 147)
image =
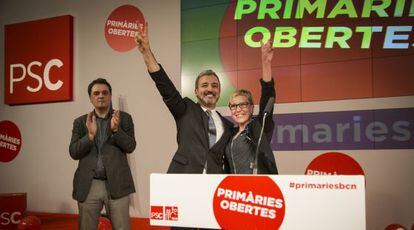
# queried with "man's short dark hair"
point(204, 73)
point(99, 81)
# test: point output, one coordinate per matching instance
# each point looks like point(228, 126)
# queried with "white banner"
point(258, 202)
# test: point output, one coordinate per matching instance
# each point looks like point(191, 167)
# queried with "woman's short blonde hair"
point(242, 92)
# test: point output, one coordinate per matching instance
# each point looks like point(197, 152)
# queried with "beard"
point(207, 101)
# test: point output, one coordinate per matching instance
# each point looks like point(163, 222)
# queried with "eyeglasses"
point(241, 105)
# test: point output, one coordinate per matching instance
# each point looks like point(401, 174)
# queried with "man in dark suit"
point(202, 132)
point(100, 141)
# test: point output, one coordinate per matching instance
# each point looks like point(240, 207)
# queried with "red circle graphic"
point(121, 27)
point(10, 141)
point(247, 202)
point(334, 163)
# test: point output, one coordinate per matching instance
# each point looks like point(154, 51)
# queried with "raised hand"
point(267, 52)
point(142, 38)
point(142, 42)
point(91, 126)
point(267, 56)
point(115, 121)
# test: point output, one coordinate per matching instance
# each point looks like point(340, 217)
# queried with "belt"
point(99, 178)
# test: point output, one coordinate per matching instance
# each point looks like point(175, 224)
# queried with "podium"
point(257, 201)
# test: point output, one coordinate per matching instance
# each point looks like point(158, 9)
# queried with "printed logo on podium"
point(164, 213)
point(171, 213)
point(246, 202)
point(157, 212)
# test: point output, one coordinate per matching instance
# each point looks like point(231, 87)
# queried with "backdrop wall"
point(361, 87)
point(43, 168)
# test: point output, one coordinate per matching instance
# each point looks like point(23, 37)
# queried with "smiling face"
point(208, 91)
point(100, 97)
point(241, 110)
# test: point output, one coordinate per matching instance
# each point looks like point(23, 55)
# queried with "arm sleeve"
point(169, 93)
point(268, 91)
point(80, 145)
point(124, 138)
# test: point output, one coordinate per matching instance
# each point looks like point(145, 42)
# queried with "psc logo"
point(38, 61)
point(157, 212)
point(164, 213)
point(7, 218)
point(12, 209)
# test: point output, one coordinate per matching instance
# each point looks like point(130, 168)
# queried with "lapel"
point(254, 131)
point(226, 125)
point(227, 128)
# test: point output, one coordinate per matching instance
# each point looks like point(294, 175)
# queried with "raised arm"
point(142, 42)
point(170, 95)
point(267, 86)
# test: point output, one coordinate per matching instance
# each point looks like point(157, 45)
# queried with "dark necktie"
point(212, 132)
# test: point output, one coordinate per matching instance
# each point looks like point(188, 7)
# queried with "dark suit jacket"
point(119, 177)
point(266, 163)
point(192, 131)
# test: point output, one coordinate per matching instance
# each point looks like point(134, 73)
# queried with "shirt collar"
point(107, 116)
point(205, 109)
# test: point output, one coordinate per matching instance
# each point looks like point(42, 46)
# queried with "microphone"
point(266, 112)
point(269, 106)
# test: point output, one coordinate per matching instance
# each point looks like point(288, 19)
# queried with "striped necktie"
point(212, 132)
